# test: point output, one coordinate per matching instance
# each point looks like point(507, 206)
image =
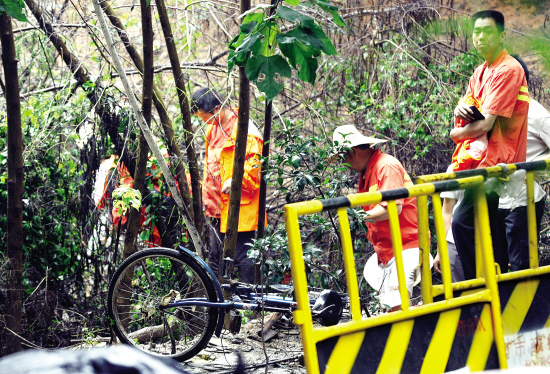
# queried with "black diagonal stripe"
point(505, 290)
point(464, 336)
point(492, 360)
point(470, 173)
point(531, 165)
point(398, 193)
point(449, 185)
point(540, 308)
point(324, 350)
point(421, 337)
point(372, 349)
point(336, 202)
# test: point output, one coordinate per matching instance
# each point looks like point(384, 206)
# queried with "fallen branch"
point(213, 67)
point(67, 25)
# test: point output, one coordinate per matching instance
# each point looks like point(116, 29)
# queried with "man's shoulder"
point(508, 64)
point(386, 160)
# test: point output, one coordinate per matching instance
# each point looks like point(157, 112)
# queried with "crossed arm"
point(472, 129)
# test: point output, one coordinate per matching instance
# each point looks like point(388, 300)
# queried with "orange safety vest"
point(215, 138)
point(250, 195)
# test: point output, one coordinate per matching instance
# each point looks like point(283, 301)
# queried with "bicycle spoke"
point(137, 291)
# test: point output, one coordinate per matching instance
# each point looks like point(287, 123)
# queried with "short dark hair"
point(493, 14)
point(362, 146)
point(524, 66)
point(205, 99)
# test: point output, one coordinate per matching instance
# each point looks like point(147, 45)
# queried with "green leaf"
point(250, 44)
point(248, 27)
point(301, 183)
point(300, 56)
point(328, 47)
point(14, 9)
point(269, 42)
point(311, 34)
point(303, 38)
point(294, 16)
point(293, 2)
point(269, 67)
point(308, 70)
point(295, 161)
point(253, 17)
point(333, 10)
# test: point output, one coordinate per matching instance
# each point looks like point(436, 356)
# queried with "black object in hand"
point(477, 114)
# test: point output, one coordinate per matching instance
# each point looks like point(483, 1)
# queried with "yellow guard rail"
point(458, 324)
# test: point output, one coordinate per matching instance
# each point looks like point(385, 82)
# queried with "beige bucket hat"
point(349, 136)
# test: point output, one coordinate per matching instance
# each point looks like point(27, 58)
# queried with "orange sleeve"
point(503, 94)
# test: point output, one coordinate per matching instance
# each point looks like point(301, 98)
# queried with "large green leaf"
point(14, 9)
point(333, 10)
point(269, 41)
point(294, 16)
point(328, 47)
point(308, 69)
point(269, 67)
point(304, 38)
point(300, 59)
point(252, 17)
point(252, 43)
point(238, 39)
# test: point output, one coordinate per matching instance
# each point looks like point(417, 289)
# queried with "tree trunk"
point(146, 106)
point(263, 184)
point(14, 266)
point(230, 241)
point(265, 155)
point(185, 115)
point(161, 109)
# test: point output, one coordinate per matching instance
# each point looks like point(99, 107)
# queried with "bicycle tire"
point(135, 292)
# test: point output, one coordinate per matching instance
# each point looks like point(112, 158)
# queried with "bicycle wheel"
point(135, 293)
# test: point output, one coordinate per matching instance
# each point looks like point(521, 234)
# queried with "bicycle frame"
point(271, 303)
point(252, 300)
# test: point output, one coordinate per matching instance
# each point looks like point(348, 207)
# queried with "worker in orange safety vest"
point(220, 139)
point(122, 177)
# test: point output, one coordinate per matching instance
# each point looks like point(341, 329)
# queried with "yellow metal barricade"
point(525, 294)
point(458, 324)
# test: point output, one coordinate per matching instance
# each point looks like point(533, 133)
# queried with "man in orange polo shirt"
point(379, 172)
point(501, 88)
point(221, 131)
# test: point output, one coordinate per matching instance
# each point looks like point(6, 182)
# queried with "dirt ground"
point(284, 351)
point(220, 356)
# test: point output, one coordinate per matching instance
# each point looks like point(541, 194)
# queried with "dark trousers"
point(464, 233)
point(514, 233)
point(243, 266)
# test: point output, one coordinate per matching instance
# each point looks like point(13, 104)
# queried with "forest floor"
point(284, 351)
